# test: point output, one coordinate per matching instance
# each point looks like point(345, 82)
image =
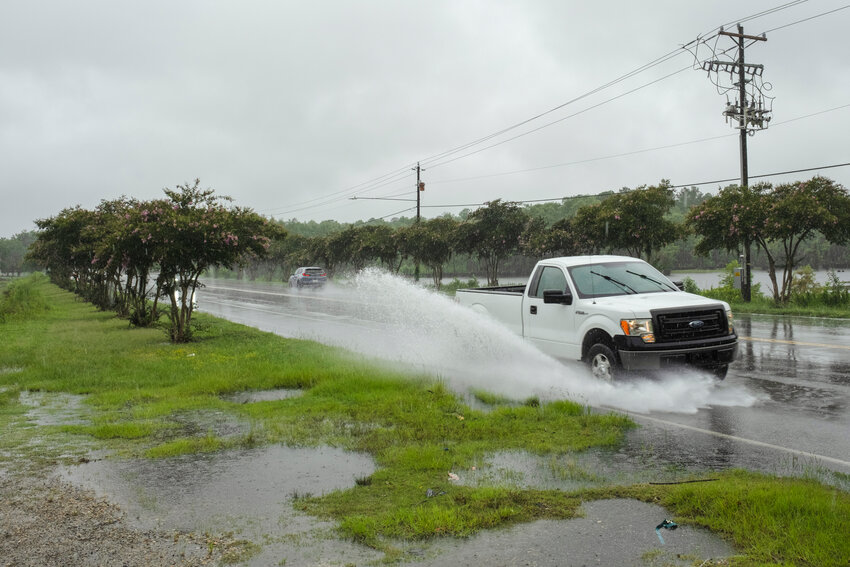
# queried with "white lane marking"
point(736, 438)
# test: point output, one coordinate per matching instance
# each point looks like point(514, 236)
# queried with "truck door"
point(550, 326)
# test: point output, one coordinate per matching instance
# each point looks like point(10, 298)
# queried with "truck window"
point(618, 278)
point(550, 278)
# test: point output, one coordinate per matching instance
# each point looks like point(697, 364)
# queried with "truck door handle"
point(533, 310)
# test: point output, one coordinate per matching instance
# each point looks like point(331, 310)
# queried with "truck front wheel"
point(602, 362)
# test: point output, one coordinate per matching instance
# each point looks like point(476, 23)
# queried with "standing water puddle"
point(247, 492)
point(253, 396)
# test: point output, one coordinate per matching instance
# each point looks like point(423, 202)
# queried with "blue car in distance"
point(311, 276)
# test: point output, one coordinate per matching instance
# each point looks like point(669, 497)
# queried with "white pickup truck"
point(614, 313)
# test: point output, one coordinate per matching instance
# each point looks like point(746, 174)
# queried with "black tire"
point(602, 363)
point(720, 371)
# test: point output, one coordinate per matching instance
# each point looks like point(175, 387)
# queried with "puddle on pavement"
point(253, 396)
point(247, 492)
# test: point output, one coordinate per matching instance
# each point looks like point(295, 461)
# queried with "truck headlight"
point(731, 320)
point(638, 328)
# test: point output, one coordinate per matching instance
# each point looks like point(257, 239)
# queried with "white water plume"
point(431, 332)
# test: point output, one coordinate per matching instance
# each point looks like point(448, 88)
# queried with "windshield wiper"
point(653, 280)
point(612, 280)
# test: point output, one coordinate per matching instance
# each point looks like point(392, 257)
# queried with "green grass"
point(22, 299)
point(152, 399)
point(768, 307)
point(773, 521)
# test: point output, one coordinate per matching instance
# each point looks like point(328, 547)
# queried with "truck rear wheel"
point(602, 362)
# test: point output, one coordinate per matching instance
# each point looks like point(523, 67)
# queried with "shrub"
point(454, 285)
point(22, 299)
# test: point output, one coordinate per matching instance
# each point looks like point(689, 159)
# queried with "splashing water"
point(431, 332)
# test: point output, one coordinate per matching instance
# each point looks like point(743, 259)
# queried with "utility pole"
point(420, 186)
point(751, 115)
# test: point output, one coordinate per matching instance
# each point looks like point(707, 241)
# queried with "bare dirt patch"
point(47, 522)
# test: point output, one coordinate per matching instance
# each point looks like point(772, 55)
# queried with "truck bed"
point(511, 289)
point(503, 303)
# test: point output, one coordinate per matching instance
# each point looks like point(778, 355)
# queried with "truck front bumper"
point(636, 355)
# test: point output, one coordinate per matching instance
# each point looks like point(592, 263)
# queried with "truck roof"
point(569, 261)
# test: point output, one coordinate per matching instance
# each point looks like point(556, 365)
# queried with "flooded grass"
point(255, 396)
point(170, 409)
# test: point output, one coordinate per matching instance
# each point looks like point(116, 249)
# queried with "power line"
point(554, 199)
point(653, 63)
point(809, 18)
point(662, 59)
point(340, 195)
point(763, 13)
point(621, 95)
point(762, 176)
point(588, 160)
point(396, 213)
point(625, 154)
point(398, 174)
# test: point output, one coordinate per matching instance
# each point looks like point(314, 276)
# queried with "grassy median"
point(149, 398)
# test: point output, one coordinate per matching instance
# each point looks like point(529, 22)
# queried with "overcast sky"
point(291, 108)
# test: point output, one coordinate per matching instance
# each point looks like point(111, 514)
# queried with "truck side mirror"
point(557, 296)
point(680, 285)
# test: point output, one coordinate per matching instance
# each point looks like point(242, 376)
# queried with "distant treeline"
point(815, 251)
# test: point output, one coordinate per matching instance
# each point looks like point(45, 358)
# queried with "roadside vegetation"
point(806, 298)
point(150, 398)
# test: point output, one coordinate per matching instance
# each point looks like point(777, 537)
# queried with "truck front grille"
point(687, 325)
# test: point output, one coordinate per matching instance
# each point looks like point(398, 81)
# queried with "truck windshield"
point(618, 278)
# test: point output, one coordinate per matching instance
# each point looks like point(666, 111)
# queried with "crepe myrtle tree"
point(776, 220)
point(558, 240)
point(431, 243)
point(798, 211)
point(194, 231)
point(61, 248)
point(731, 220)
point(139, 254)
point(101, 235)
point(632, 220)
point(370, 243)
point(492, 233)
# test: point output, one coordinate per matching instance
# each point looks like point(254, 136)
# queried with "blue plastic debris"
point(667, 525)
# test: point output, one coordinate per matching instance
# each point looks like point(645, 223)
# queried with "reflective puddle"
point(247, 492)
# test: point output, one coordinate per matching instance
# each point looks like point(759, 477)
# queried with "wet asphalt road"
point(799, 367)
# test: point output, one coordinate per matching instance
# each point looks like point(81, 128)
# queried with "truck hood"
point(641, 304)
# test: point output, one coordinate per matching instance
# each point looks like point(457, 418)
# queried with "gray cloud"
point(280, 103)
